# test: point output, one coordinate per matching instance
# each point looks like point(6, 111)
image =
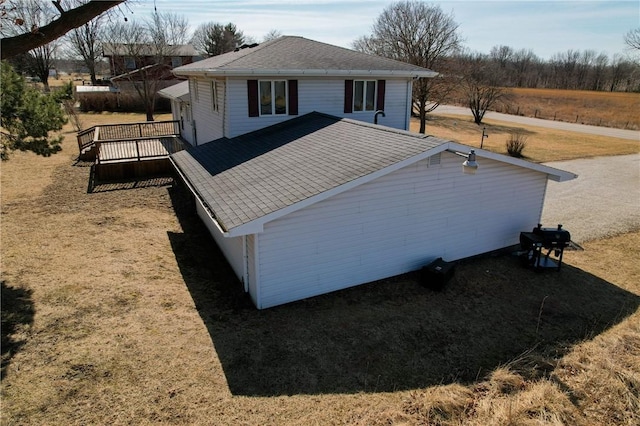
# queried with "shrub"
point(516, 144)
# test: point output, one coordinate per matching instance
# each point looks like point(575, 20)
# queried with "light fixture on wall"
point(470, 165)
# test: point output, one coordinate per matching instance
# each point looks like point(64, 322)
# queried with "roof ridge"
point(387, 128)
point(247, 50)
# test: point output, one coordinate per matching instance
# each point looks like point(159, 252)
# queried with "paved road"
point(604, 200)
point(582, 128)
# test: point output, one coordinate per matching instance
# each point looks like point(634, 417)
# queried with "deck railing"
point(126, 131)
point(137, 149)
point(139, 130)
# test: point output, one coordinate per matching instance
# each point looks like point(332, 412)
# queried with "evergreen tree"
point(27, 116)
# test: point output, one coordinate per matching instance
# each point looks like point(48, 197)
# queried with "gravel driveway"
point(604, 200)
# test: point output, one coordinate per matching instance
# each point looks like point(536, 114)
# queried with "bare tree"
point(85, 42)
point(481, 84)
point(423, 35)
point(40, 60)
point(632, 39)
point(151, 45)
point(212, 38)
point(524, 62)
point(31, 37)
point(272, 35)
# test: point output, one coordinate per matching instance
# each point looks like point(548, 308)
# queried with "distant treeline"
point(572, 70)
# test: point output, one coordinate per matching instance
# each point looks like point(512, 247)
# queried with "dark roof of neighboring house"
point(262, 172)
point(291, 56)
point(139, 49)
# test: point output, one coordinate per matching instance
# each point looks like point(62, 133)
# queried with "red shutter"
point(293, 97)
point(380, 100)
point(348, 96)
point(253, 101)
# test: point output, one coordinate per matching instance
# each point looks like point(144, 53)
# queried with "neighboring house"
point(303, 203)
point(126, 58)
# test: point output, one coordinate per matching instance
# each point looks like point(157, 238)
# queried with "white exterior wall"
point(182, 112)
point(209, 122)
point(230, 247)
point(314, 94)
point(396, 224)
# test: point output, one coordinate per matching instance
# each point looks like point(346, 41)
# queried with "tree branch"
point(74, 18)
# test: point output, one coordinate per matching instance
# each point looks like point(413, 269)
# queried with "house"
point(303, 202)
point(260, 85)
point(126, 58)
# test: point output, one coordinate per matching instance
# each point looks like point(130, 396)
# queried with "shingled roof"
point(297, 56)
point(259, 173)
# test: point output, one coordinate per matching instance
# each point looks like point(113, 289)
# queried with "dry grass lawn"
point(542, 144)
point(117, 308)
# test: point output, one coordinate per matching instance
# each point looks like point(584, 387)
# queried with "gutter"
point(211, 72)
point(199, 199)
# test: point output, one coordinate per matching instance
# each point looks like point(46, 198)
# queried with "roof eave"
point(552, 173)
point(217, 72)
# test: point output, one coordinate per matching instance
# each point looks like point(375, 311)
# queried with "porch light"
point(470, 165)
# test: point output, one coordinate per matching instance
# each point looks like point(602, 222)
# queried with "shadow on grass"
point(392, 334)
point(17, 312)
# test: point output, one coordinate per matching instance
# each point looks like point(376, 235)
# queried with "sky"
point(546, 27)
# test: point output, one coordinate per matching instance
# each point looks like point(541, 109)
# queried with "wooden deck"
point(137, 150)
point(132, 150)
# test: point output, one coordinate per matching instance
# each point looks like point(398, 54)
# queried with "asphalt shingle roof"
point(253, 175)
point(290, 54)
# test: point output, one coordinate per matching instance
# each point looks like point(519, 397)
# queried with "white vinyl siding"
point(230, 247)
point(209, 119)
point(314, 94)
point(397, 224)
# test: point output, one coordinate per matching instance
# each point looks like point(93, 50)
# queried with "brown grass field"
point(617, 109)
point(609, 109)
point(117, 308)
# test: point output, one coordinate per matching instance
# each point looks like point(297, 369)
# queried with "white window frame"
point(364, 95)
point(273, 103)
point(214, 96)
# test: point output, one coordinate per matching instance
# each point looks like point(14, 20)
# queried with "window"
point(273, 97)
point(364, 95)
point(214, 96)
point(129, 63)
point(176, 61)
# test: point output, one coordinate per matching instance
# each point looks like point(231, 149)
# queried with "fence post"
point(140, 129)
point(138, 149)
point(535, 115)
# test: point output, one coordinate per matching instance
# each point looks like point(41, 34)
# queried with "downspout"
point(407, 124)
point(245, 264)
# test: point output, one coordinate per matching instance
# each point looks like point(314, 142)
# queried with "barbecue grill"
point(534, 243)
